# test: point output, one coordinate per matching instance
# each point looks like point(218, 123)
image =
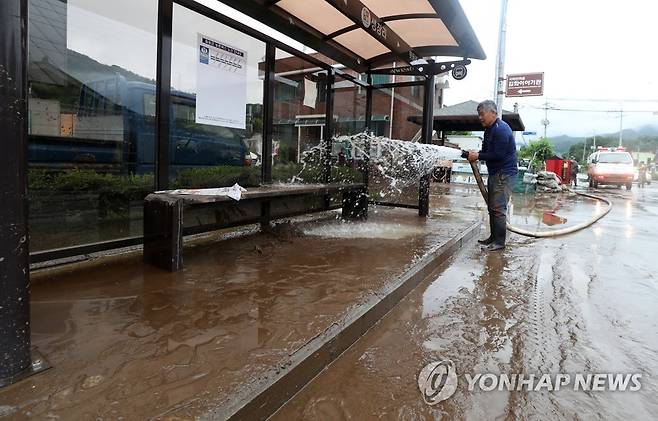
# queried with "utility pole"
point(545, 121)
point(585, 145)
point(500, 58)
point(595, 141)
point(584, 149)
point(621, 126)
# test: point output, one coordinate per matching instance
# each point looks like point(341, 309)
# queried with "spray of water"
point(396, 164)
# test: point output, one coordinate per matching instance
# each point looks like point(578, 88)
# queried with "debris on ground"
point(548, 182)
point(284, 231)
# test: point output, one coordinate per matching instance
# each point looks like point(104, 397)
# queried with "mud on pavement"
point(579, 304)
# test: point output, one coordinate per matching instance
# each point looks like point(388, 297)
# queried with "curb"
point(263, 397)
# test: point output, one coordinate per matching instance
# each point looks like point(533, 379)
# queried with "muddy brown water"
point(586, 303)
point(129, 341)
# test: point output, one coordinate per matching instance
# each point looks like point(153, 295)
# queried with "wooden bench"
point(164, 214)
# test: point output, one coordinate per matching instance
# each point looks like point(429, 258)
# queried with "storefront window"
point(216, 126)
point(91, 81)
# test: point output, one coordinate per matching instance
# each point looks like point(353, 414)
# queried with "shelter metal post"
point(15, 357)
point(268, 130)
point(268, 113)
point(369, 129)
point(163, 93)
point(369, 104)
point(329, 130)
point(428, 129)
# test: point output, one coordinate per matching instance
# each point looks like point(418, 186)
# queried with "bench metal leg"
point(163, 233)
point(355, 204)
point(424, 196)
point(265, 215)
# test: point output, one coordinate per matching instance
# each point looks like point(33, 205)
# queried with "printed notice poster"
point(310, 93)
point(221, 98)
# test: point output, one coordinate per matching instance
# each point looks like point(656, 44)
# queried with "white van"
point(610, 166)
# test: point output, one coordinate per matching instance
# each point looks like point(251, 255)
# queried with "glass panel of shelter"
point(209, 155)
point(299, 119)
point(350, 118)
point(92, 114)
point(391, 109)
point(92, 117)
point(91, 79)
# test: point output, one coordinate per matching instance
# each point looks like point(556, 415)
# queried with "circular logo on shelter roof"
point(366, 18)
point(459, 72)
point(437, 381)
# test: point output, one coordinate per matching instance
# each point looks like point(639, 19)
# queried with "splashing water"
point(382, 230)
point(398, 163)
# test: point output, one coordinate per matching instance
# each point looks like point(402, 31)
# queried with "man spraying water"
point(499, 153)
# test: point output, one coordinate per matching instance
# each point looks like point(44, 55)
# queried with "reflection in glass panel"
point(349, 107)
point(350, 118)
point(299, 118)
point(222, 145)
point(392, 108)
point(91, 78)
point(391, 112)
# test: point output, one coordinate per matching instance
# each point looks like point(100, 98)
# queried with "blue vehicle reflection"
point(113, 130)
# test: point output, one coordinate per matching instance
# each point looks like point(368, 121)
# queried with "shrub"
point(221, 176)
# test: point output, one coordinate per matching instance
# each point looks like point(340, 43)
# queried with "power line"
point(584, 110)
point(603, 100)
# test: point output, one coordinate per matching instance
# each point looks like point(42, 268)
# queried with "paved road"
point(586, 303)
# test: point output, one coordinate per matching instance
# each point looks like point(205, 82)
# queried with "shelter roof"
point(365, 34)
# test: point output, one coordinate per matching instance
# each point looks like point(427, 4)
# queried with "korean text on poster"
point(221, 84)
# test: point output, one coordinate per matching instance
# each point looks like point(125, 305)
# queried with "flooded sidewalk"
point(583, 303)
point(129, 341)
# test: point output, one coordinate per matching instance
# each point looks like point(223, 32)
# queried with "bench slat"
point(262, 192)
point(163, 214)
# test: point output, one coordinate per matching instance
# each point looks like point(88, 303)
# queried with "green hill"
point(646, 137)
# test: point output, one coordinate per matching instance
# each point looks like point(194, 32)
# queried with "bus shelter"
point(62, 112)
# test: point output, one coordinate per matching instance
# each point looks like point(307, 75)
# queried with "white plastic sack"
point(547, 175)
point(234, 192)
point(551, 184)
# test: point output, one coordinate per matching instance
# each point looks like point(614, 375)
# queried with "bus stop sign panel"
point(528, 84)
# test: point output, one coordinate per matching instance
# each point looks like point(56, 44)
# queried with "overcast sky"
point(588, 49)
point(596, 55)
point(601, 51)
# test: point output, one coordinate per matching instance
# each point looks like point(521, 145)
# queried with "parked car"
point(611, 166)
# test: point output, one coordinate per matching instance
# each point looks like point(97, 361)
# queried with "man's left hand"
point(473, 156)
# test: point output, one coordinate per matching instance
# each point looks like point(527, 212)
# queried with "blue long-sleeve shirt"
point(499, 149)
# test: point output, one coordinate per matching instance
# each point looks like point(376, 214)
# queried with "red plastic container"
point(561, 167)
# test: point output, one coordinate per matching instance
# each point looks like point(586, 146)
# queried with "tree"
point(538, 151)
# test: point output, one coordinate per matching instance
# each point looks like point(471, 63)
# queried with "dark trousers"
point(499, 187)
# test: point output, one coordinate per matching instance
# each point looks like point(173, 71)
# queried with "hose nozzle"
point(465, 154)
